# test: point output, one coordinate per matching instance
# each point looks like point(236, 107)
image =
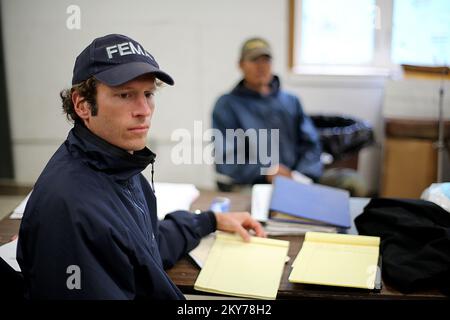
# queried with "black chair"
point(11, 282)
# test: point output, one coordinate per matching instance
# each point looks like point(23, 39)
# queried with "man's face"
point(124, 113)
point(257, 72)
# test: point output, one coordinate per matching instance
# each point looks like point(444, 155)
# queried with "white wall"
point(196, 41)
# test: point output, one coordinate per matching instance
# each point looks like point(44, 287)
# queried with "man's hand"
point(278, 170)
point(239, 222)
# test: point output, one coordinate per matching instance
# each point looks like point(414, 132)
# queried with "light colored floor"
point(8, 203)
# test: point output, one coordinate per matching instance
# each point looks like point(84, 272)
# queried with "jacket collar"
point(103, 156)
point(242, 90)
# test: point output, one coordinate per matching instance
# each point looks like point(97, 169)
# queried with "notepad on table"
point(338, 260)
point(244, 269)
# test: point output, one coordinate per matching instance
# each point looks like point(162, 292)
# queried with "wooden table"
point(185, 272)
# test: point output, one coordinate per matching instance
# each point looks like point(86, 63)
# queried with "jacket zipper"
point(135, 203)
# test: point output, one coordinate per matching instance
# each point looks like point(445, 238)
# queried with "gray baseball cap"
point(254, 48)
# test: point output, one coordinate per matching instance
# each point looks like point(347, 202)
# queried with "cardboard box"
point(409, 167)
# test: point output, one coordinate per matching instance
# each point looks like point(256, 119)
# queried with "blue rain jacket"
point(299, 141)
point(92, 214)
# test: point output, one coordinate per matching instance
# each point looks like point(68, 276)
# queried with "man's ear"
point(241, 65)
point(81, 106)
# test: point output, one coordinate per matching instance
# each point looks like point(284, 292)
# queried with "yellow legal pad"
point(337, 260)
point(244, 269)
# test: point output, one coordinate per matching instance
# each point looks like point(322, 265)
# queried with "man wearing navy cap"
point(90, 228)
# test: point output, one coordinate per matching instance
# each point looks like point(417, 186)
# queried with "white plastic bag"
point(438, 193)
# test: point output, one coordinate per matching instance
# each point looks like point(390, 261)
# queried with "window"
point(367, 36)
point(345, 29)
point(421, 32)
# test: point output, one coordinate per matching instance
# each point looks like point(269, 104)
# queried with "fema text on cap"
point(126, 48)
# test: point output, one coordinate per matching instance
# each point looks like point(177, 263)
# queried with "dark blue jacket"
point(245, 109)
point(92, 208)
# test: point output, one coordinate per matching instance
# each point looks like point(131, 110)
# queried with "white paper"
point(301, 178)
point(261, 194)
point(8, 253)
point(174, 196)
point(200, 253)
point(20, 209)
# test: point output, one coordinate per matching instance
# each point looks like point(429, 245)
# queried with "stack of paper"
point(309, 204)
point(261, 196)
point(338, 260)
point(244, 269)
point(281, 228)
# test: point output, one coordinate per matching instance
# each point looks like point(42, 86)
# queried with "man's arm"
point(241, 223)
point(309, 147)
point(181, 231)
point(66, 253)
point(222, 119)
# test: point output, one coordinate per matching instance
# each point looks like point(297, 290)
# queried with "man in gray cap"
point(257, 102)
point(90, 228)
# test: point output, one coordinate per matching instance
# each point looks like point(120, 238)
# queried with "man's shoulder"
point(66, 175)
point(224, 99)
point(287, 95)
point(69, 185)
point(231, 100)
point(66, 181)
point(68, 198)
point(223, 104)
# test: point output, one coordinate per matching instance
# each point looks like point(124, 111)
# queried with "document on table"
point(337, 260)
point(261, 195)
point(200, 253)
point(244, 269)
point(20, 209)
point(8, 253)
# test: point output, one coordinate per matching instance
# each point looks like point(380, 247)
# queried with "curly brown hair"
point(88, 90)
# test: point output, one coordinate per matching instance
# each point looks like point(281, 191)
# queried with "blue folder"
point(313, 202)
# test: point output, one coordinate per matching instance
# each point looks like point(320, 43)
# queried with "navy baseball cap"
point(115, 59)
